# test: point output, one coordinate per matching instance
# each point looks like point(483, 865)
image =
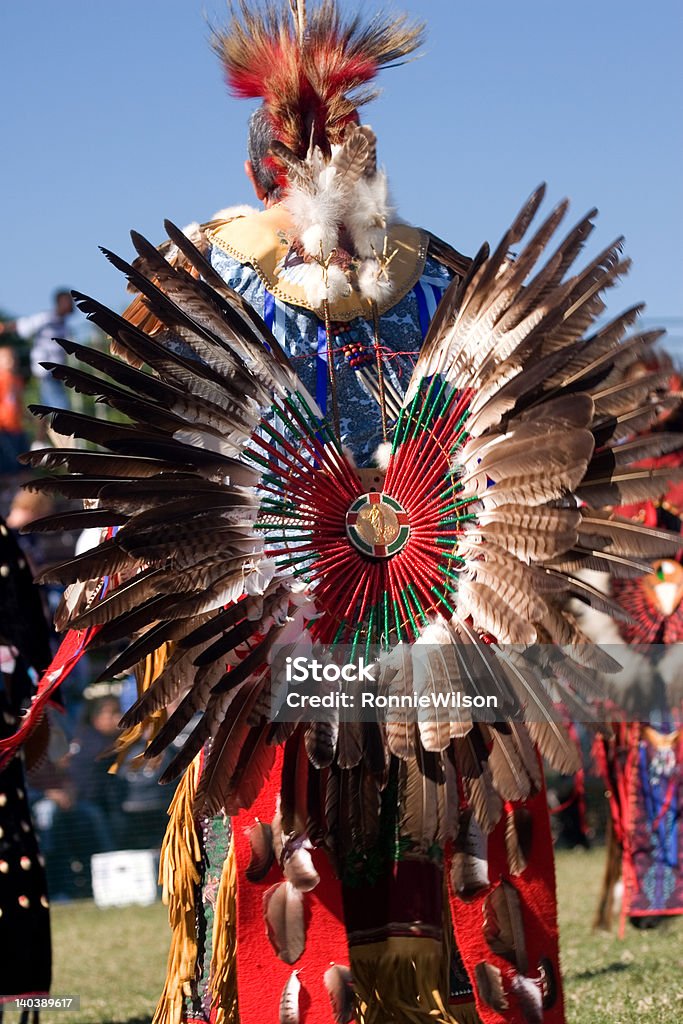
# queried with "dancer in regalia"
point(640, 760)
point(341, 432)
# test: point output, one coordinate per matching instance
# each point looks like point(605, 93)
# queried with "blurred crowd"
point(79, 806)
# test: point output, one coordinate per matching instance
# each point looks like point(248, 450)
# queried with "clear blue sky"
point(115, 116)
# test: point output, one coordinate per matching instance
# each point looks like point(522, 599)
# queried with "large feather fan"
point(239, 523)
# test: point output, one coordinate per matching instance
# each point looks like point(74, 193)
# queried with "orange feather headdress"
point(309, 69)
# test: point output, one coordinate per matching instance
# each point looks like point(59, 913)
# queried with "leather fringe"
point(404, 981)
point(179, 875)
point(223, 971)
point(465, 1013)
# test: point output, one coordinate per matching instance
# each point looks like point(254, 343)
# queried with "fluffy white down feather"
point(320, 208)
point(231, 213)
point(316, 217)
point(320, 286)
point(373, 283)
point(369, 214)
point(383, 455)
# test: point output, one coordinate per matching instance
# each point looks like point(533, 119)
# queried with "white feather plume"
point(374, 283)
point(369, 214)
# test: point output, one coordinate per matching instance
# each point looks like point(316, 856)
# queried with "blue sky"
point(114, 116)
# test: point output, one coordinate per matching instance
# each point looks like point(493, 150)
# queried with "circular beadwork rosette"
point(377, 525)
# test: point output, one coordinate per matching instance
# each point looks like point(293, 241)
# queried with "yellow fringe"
point(408, 980)
point(223, 972)
point(604, 913)
point(179, 875)
point(145, 674)
point(403, 981)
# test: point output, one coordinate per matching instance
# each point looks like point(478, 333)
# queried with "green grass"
point(115, 959)
point(637, 980)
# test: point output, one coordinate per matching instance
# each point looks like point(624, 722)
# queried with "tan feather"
point(514, 584)
point(262, 854)
point(351, 160)
point(396, 680)
point(491, 614)
point(544, 729)
point(297, 864)
point(556, 747)
point(283, 911)
point(625, 537)
point(528, 753)
point(625, 487)
point(510, 776)
point(371, 156)
point(504, 925)
point(489, 981)
point(339, 984)
point(298, 171)
point(435, 676)
point(563, 629)
point(419, 780)
point(289, 1000)
point(518, 839)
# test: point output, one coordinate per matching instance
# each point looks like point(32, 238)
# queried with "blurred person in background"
point(12, 434)
point(78, 805)
point(41, 330)
point(98, 793)
point(43, 549)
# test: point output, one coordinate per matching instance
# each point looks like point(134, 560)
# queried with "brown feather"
point(508, 770)
point(504, 925)
point(321, 743)
point(293, 793)
point(238, 761)
point(289, 1000)
point(262, 854)
point(518, 839)
point(349, 744)
point(283, 910)
point(339, 984)
point(489, 981)
point(468, 874)
point(556, 747)
point(419, 783)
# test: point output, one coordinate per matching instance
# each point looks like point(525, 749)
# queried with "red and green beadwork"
point(378, 563)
